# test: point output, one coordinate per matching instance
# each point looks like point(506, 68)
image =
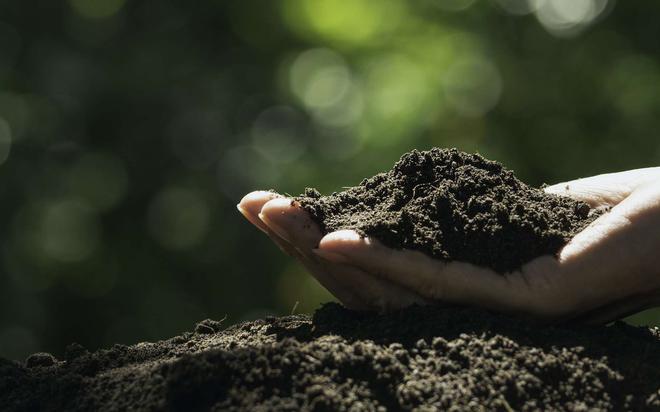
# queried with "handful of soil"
point(454, 205)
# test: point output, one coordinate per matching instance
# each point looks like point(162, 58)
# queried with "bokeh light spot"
point(67, 230)
point(345, 22)
point(330, 84)
point(279, 134)
point(319, 78)
point(565, 18)
point(519, 7)
point(345, 112)
point(396, 86)
point(178, 218)
point(322, 81)
point(243, 167)
point(472, 86)
point(96, 9)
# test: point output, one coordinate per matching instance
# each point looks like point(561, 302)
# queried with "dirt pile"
point(454, 206)
point(432, 358)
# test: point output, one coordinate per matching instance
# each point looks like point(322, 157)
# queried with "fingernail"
point(342, 235)
point(330, 256)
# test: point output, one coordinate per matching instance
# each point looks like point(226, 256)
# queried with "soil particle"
point(419, 358)
point(453, 205)
point(40, 359)
point(74, 350)
point(208, 326)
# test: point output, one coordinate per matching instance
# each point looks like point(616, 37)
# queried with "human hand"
point(609, 270)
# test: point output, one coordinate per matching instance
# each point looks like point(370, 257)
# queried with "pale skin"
point(609, 270)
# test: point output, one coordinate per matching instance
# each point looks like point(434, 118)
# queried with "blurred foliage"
point(130, 129)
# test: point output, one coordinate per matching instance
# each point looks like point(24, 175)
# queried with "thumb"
point(606, 189)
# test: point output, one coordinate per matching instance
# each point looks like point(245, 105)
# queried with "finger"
point(293, 226)
point(341, 282)
point(338, 287)
point(374, 293)
point(452, 282)
point(292, 223)
point(616, 256)
point(251, 204)
point(606, 189)
point(251, 207)
point(356, 289)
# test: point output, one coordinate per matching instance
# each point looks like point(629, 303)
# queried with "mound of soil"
point(454, 206)
point(417, 358)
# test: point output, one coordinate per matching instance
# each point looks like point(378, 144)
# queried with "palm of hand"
point(610, 269)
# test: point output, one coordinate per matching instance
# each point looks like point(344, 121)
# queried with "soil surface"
point(454, 206)
point(417, 358)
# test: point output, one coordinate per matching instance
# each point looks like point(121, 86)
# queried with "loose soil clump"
point(453, 205)
point(419, 358)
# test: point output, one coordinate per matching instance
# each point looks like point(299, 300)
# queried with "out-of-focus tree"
point(129, 130)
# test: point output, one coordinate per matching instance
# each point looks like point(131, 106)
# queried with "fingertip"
point(274, 227)
point(277, 214)
point(251, 204)
point(558, 189)
point(254, 201)
point(258, 195)
point(241, 209)
point(277, 205)
point(342, 240)
point(290, 221)
point(342, 235)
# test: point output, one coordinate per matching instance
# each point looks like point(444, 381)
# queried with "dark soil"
point(454, 206)
point(418, 358)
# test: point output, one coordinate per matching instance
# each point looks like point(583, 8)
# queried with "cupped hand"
point(609, 270)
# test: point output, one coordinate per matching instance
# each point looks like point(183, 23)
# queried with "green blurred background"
point(130, 129)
